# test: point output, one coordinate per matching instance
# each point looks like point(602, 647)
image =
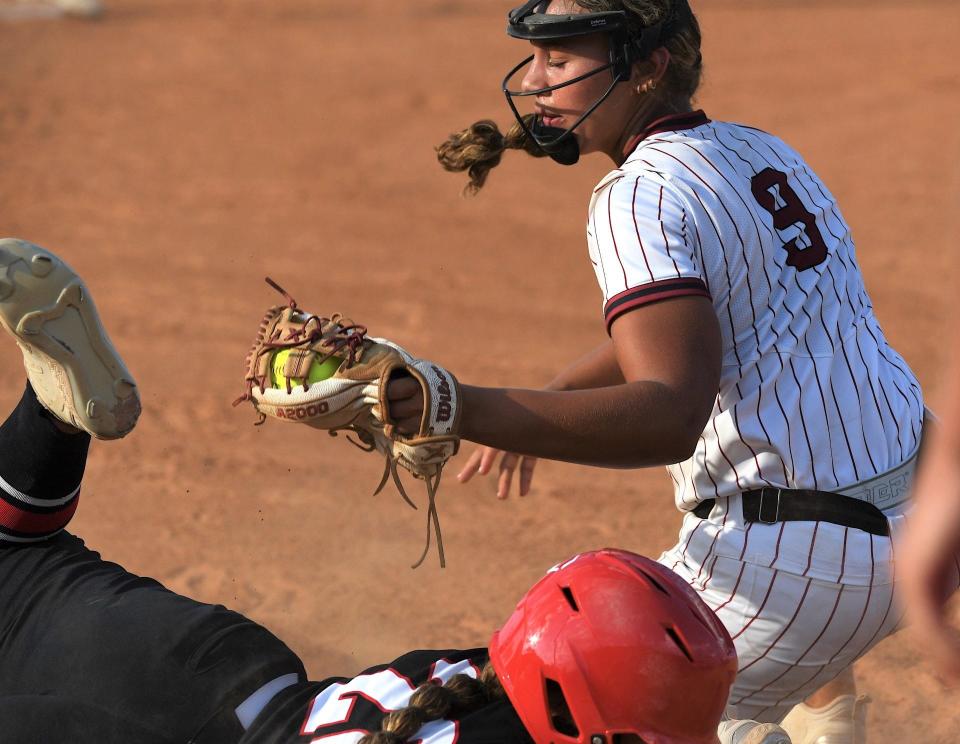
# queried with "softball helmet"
point(628, 45)
point(611, 643)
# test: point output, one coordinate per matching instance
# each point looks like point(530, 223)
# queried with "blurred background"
point(177, 151)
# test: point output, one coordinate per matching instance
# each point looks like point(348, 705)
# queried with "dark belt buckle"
point(772, 499)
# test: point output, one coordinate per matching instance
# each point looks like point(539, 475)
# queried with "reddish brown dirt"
point(179, 150)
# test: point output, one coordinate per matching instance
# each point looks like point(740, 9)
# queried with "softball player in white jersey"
point(744, 353)
point(811, 396)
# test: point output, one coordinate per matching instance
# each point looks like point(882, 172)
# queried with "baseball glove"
point(329, 374)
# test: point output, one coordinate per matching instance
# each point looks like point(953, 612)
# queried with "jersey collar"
point(670, 123)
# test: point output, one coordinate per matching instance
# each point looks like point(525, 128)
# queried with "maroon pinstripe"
point(809, 648)
point(663, 231)
point(613, 237)
point(782, 632)
point(733, 592)
point(866, 605)
point(713, 544)
point(643, 250)
point(720, 447)
point(603, 270)
point(684, 554)
point(813, 542)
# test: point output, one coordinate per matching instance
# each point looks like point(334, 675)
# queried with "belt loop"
point(776, 514)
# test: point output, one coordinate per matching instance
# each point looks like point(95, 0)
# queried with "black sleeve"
point(304, 713)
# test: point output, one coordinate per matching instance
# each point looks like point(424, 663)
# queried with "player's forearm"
point(637, 424)
point(598, 368)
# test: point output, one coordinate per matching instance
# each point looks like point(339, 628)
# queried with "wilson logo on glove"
point(328, 374)
point(444, 395)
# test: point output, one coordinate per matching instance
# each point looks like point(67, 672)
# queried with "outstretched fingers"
point(481, 462)
point(508, 466)
point(527, 464)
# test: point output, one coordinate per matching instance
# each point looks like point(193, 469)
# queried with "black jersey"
point(341, 710)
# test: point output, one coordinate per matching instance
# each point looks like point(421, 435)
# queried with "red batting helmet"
point(609, 643)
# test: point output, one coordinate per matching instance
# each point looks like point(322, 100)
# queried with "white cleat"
point(843, 721)
point(80, 8)
point(751, 732)
point(73, 368)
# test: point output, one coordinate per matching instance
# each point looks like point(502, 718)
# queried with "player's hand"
point(927, 561)
point(482, 459)
point(405, 404)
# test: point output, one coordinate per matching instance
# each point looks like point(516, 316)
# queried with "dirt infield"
point(178, 150)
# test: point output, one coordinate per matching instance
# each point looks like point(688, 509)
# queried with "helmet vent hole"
point(568, 594)
point(656, 584)
point(561, 717)
point(675, 637)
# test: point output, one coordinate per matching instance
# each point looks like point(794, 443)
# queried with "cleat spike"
point(41, 265)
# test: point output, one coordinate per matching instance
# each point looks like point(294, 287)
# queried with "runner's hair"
point(478, 148)
point(430, 702)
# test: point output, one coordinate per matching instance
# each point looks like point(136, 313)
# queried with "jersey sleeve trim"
point(645, 294)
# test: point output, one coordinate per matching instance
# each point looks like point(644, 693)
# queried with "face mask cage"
point(530, 22)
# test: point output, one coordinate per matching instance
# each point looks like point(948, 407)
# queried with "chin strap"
point(559, 144)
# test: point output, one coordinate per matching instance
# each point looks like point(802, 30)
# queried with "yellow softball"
point(318, 370)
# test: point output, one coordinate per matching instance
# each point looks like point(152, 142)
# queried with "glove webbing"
point(349, 337)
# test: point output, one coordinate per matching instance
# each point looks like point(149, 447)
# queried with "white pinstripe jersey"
point(811, 394)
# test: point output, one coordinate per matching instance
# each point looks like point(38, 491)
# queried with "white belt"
point(887, 490)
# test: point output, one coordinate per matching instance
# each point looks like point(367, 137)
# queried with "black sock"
point(38, 463)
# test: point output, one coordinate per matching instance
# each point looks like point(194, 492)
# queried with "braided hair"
point(479, 148)
point(431, 701)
